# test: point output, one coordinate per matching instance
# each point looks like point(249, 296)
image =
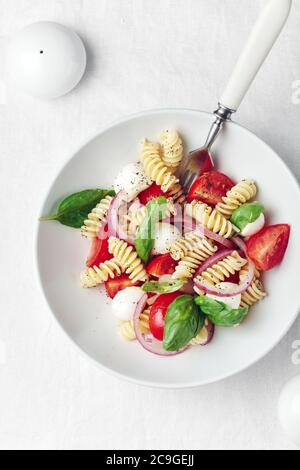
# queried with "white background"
point(142, 54)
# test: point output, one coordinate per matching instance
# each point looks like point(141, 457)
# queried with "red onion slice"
point(117, 210)
point(241, 244)
point(214, 259)
point(213, 290)
point(189, 225)
point(147, 341)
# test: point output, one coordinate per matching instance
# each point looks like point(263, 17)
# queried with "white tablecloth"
point(141, 54)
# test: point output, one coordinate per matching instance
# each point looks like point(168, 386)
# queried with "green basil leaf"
point(74, 209)
point(220, 313)
point(163, 287)
point(246, 214)
point(183, 322)
point(144, 242)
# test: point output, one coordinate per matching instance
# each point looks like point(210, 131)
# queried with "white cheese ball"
point(125, 302)
point(132, 179)
point(165, 236)
point(254, 227)
point(232, 302)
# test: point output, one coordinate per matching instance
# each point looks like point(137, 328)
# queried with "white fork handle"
point(260, 43)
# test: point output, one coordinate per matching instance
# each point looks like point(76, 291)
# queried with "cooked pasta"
point(91, 277)
point(177, 194)
point(172, 148)
point(253, 294)
point(128, 259)
point(191, 242)
point(96, 219)
point(126, 328)
point(192, 259)
point(210, 218)
point(155, 168)
point(201, 337)
point(223, 269)
point(238, 195)
point(136, 218)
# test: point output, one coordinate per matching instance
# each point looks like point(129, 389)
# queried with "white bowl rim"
point(149, 383)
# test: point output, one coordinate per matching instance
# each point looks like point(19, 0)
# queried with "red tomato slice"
point(150, 193)
point(210, 188)
point(113, 286)
point(160, 265)
point(267, 248)
point(98, 252)
point(158, 312)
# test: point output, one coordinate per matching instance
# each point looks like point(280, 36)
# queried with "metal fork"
point(260, 43)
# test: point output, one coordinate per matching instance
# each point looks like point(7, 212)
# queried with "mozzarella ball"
point(165, 236)
point(125, 302)
point(232, 302)
point(254, 227)
point(132, 179)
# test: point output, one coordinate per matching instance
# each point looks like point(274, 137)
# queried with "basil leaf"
point(219, 313)
point(74, 209)
point(183, 322)
point(246, 214)
point(144, 242)
point(163, 287)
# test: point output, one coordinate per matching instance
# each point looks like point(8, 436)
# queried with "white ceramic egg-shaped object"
point(46, 60)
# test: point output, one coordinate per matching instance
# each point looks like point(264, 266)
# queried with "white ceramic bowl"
point(85, 315)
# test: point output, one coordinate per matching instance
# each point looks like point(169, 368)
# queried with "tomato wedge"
point(158, 312)
point(210, 188)
point(267, 248)
point(150, 193)
point(160, 265)
point(98, 252)
point(113, 286)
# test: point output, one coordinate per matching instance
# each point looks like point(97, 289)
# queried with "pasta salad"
point(175, 265)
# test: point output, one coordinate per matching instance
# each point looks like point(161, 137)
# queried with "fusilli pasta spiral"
point(136, 218)
point(92, 277)
point(191, 261)
point(155, 168)
point(126, 328)
point(96, 219)
point(223, 269)
point(177, 194)
point(253, 294)
point(238, 195)
point(128, 258)
point(172, 148)
point(192, 242)
point(210, 218)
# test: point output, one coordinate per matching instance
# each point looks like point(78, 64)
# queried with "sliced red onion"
point(240, 243)
point(214, 259)
point(117, 210)
point(147, 341)
point(201, 230)
point(189, 225)
point(213, 290)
